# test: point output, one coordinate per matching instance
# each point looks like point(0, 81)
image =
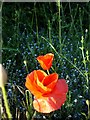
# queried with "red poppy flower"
point(39, 83)
point(46, 60)
point(49, 92)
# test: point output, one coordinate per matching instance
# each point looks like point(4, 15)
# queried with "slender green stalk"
point(59, 27)
point(6, 103)
point(82, 48)
point(84, 61)
point(34, 114)
point(29, 102)
point(48, 72)
point(88, 104)
point(89, 111)
point(86, 72)
point(11, 49)
point(53, 69)
point(49, 28)
point(72, 23)
point(80, 16)
point(36, 23)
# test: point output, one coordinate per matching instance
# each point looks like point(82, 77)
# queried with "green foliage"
point(32, 29)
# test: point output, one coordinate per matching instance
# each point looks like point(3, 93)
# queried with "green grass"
point(38, 28)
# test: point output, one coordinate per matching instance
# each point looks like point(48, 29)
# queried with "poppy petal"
point(61, 86)
point(49, 104)
point(48, 83)
point(31, 81)
point(52, 101)
point(46, 60)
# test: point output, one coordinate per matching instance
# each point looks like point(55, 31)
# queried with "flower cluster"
point(49, 91)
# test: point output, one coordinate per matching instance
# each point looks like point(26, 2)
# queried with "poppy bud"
point(46, 60)
point(3, 76)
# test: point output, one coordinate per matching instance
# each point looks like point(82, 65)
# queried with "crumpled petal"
point(46, 60)
point(39, 83)
point(31, 81)
point(52, 101)
point(48, 83)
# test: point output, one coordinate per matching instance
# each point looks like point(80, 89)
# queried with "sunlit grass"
point(59, 32)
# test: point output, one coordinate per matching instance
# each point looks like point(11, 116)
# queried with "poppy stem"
point(34, 114)
point(88, 103)
point(6, 102)
point(48, 72)
point(53, 69)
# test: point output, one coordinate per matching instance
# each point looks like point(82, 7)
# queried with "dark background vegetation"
point(23, 24)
